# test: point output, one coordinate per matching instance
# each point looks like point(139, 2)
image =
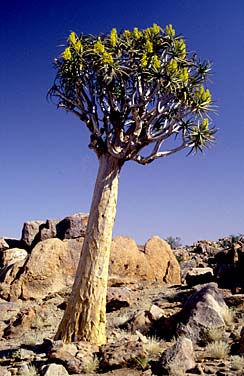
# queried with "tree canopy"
point(142, 96)
point(134, 90)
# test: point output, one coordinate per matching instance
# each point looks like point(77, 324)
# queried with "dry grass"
point(30, 370)
point(214, 334)
point(30, 339)
point(228, 316)
point(92, 366)
point(217, 350)
point(237, 362)
point(153, 346)
point(176, 371)
point(141, 362)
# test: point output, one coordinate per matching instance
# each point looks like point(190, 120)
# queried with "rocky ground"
point(187, 320)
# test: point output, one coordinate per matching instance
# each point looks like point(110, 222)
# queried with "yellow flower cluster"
point(184, 75)
point(205, 123)
point(147, 32)
point(149, 46)
point(144, 61)
point(181, 47)
point(169, 30)
point(155, 29)
point(107, 58)
point(75, 42)
point(67, 54)
point(204, 96)
point(78, 46)
point(113, 37)
point(72, 38)
point(172, 67)
point(156, 62)
point(99, 47)
point(136, 33)
point(127, 33)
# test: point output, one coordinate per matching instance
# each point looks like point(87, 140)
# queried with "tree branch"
point(157, 154)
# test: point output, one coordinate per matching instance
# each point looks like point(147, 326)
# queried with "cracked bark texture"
point(85, 315)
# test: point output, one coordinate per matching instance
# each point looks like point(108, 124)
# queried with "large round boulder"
point(51, 267)
point(153, 262)
point(52, 264)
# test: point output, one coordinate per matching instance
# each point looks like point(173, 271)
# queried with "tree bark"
point(85, 315)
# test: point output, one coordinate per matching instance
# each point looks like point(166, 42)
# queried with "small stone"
point(156, 312)
point(117, 297)
point(55, 370)
point(142, 321)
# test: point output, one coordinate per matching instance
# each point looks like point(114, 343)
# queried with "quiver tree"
point(133, 90)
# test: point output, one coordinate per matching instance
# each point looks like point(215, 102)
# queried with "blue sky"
point(47, 170)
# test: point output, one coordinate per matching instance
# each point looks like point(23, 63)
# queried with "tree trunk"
point(85, 315)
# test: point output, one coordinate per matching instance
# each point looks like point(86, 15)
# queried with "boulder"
point(3, 244)
point(51, 267)
point(199, 276)
point(141, 321)
point(179, 357)
point(204, 310)
point(14, 243)
point(8, 275)
point(36, 231)
point(77, 358)
point(30, 231)
point(72, 227)
point(205, 247)
point(122, 353)
point(12, 255)
point(47, 231)
point(154, 262)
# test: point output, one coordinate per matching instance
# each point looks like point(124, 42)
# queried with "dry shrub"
point(217, 350)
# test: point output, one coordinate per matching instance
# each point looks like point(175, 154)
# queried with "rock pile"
point(164, 317)
point(47, 260)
